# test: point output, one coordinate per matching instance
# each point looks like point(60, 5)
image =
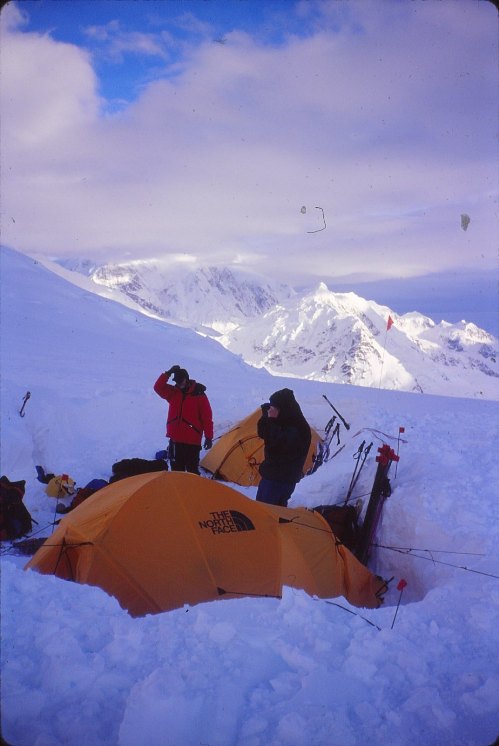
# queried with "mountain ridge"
point(316, 334)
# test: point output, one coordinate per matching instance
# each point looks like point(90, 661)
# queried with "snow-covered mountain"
point(317, 335)
point(213, 299)
point(340, 337)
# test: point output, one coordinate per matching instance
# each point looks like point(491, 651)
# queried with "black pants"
point(184, 457)
point(275, 493)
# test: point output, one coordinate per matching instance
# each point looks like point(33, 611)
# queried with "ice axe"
point(335, 410)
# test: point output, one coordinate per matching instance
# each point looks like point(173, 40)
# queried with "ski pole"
point(335, 410)
point(400, 587)
point(357, 457)
point(336, 432)
point(330, 424)
point(354, 481)
point(327, 441)
point(26, 397)
point(336, 452)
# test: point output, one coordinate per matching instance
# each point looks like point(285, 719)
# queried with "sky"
point(78, 670)
point(328, 139)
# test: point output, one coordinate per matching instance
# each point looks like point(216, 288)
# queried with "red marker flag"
point(400, 587)
point(389, 323)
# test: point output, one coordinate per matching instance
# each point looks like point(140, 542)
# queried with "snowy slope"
point(342, 338)
point(78, 671)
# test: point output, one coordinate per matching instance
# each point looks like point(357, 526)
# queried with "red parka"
point(189, 413)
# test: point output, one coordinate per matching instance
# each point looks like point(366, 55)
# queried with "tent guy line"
point(409, 553)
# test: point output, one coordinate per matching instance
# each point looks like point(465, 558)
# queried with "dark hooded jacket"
point(287, 439)
point(189, 413)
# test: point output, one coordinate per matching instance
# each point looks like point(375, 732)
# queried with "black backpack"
point(343, 521)
point(129, 467)
point(15, 520)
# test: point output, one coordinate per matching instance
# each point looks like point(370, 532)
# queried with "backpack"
point(129, 467)
point(343, 520)
point(15, 520)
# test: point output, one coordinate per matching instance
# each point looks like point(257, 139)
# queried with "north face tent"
point(236, 455)
point(160, 540)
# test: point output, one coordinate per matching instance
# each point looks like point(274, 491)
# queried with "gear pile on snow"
point(15, 520)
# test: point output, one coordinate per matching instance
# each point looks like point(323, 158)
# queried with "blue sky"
point(135, 42)
point(223, 131)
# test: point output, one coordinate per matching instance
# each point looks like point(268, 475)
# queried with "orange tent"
point(160, 540)
point(236, 455)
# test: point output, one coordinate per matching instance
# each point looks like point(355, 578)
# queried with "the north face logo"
point(227, 521)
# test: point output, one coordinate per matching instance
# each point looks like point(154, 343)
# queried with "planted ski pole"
point(335, 410)
point(357, 456)
point(26, 397)
point(361, 459)
point(330, 424)
point(400, 587)
point(336, 431)
point(328, 439)
point(336, 452)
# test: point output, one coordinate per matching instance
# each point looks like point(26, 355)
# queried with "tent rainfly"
point(236, 455)
point(161, 540)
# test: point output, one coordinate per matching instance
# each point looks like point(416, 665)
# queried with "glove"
point(207, 444)
point(172, 369)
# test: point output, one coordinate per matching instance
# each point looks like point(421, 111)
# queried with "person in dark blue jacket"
point(287, 436)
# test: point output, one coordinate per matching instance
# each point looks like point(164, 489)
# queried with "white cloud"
point(384, 119)
point(119, 42)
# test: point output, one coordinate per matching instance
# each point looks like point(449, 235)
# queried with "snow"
point(78, 670)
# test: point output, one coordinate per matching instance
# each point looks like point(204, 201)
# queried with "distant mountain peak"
point(203, 297)
point(341, 337)
point(316, 334)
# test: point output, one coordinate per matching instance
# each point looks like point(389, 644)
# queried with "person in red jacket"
point(189, 416)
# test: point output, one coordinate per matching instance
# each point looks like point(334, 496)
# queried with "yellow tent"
point(236, 455)
point(160, 540)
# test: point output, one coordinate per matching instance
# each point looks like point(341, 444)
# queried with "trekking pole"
point(357, 456)
point(336, 452)
point(355, 477)
point(330, 424)
point(400, 587)
point(326, 445)
point(335, 410)
point(26, 397)
point(401, 430)
point(330, 432)
point(336, 432)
